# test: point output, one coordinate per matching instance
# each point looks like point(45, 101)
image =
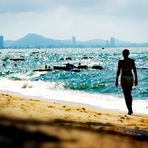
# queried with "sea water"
point(89, 86)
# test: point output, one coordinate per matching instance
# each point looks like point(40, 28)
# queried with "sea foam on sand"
point(54, 91)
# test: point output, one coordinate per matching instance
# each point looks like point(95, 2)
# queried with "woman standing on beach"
point(127, 67)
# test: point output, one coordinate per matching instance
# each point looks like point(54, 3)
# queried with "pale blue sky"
point(86, 19)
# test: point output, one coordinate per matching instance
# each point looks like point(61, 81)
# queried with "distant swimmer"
point(127, 67)
point(82, 66)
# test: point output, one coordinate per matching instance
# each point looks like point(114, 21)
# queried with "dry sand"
point(33, 123)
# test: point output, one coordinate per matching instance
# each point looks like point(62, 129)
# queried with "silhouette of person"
point(127, 68)
point(46, 66)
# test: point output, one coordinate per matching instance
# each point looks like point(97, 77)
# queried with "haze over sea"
point(89, 86)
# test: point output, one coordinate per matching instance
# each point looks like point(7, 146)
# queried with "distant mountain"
point(122, 43)
point(96, 42)
point(32, 40)
point(35, 40)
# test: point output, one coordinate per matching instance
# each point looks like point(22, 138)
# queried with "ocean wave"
point(87, 80)
point(55, 91)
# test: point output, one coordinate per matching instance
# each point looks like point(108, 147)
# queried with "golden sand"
point(72, 125)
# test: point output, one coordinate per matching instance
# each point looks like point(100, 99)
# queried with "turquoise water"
point(87, 80)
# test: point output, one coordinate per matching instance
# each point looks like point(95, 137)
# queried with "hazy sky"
point(86, 19)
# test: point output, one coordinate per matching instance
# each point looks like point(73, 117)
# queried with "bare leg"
point(128, 99)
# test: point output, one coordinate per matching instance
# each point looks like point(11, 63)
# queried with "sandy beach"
point(27, 122)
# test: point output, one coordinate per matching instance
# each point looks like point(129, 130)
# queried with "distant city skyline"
point(85, 19)
point(32, 40)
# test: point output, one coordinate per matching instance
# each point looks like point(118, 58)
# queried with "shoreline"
point(86, 124)
point(72, 103)
point(10, 97)
point(15, 95)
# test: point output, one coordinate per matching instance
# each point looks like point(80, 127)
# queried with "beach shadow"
point(90, 126)
point(11, 136)
point(29, 133)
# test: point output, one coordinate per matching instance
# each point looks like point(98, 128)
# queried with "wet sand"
point(38, 123)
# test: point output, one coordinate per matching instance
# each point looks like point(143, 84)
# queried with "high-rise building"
point(112, 42)
point(1, 42)
point(107, 43)
point(73, 41)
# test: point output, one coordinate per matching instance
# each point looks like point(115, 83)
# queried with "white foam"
point(25, 76)
point(55, 91)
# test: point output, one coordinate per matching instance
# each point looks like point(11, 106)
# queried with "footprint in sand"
point(120, 120)
point(68, 109)
point(83, 108)
point(78, 109)
point(50, 106)
point(122, 117)
point(142, 120)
